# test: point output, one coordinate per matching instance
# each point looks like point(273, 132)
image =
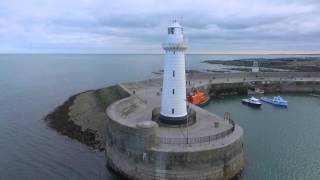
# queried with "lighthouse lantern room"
point(173, 100)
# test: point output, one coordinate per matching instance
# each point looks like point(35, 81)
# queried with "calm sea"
point(280, 143)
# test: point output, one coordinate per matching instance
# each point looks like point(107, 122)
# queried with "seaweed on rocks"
point(59, 120)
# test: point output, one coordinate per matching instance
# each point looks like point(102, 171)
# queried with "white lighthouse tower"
point(173, 101)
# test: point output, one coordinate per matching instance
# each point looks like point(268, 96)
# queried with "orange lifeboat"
point(198, 98)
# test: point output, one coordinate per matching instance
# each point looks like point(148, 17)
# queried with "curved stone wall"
point(134, 153)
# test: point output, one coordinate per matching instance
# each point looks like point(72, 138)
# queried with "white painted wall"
point(174, 61)
point(255, 69)
point(255, 66)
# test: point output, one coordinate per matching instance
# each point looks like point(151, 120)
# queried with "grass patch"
point(107, 96)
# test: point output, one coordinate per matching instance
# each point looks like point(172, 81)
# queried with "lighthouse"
point(173, 100)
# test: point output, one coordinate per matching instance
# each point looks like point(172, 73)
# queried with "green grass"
point(108, 95)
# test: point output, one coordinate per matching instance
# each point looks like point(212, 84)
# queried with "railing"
point(165, 174)
point(198, 140)
point(179, 45)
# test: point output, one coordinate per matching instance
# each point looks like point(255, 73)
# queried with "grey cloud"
point(104, 25)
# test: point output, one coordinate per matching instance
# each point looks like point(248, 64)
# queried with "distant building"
point(255, 66)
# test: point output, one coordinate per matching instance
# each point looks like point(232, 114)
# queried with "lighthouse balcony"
point(175, 46)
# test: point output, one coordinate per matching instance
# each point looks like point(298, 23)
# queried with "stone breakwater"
point(238, 83)
point(138, 147)
point(82, 116)
point(119, 118)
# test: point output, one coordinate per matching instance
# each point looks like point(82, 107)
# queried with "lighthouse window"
point(172, 110)
point(170, 30)
point(173, 73)
point(172, 91)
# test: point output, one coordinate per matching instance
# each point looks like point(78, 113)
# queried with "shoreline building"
point(255, 66)
point(173, 101)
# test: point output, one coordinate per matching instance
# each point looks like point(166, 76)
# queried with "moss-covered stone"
point(82, 116)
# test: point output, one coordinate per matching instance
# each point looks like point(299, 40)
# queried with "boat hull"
point(251, 104)
point(204, 103)
point(314, 95)
point(268, 100)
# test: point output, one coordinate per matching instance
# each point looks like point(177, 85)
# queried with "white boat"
point(252, 102)
point(314, 95)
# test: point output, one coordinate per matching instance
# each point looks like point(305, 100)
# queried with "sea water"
point(279, 143)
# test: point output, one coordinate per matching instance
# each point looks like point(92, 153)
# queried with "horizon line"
point(62, 53)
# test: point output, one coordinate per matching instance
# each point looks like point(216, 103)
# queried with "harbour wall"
point(135, 152)
point(83, 117)
point(215, 164)
point(91, 130)
point(238, 83)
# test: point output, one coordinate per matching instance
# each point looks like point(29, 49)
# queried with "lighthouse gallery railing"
point(197, 140)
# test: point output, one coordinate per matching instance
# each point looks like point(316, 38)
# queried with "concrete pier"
point(137, 147)
point(286, 81)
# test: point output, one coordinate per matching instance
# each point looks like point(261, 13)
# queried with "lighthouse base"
point(140, 148)
point(173, 120)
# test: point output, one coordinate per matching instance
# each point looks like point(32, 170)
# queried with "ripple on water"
point(279, 143)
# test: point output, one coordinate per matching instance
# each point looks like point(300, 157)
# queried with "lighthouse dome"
point(175, 24)
point(175, 36)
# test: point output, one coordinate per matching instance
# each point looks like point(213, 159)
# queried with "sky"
point(140, 26)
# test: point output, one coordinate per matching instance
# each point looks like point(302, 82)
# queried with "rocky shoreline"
point(59, 120)
point(82, 116)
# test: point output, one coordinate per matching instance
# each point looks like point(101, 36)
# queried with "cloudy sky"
point(139, 26)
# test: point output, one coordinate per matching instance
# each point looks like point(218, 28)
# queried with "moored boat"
point(198, 98)
point(314, 95)
point(252, 102)
point(276, 100)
